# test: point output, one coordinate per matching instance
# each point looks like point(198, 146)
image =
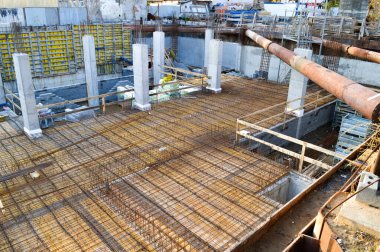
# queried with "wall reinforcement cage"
point(60, 51)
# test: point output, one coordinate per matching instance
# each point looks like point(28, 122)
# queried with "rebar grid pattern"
point(164, 180)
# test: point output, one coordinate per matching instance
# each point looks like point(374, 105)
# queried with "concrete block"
point(141, 76)
point(370, 195)
point(360, 216)
point(26, 94)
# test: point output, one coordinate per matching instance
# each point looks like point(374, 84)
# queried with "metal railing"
point(186, 83)
point(247, 127)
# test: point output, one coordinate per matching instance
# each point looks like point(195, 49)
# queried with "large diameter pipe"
point(354, 51)
point(362, 99)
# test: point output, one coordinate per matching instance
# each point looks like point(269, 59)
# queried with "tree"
point(374, 10)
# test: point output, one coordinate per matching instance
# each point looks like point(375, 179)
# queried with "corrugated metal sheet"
point(28, 3)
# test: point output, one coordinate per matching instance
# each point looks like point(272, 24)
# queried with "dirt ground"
point(286, 229)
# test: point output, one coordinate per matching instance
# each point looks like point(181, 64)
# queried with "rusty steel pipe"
point(362, 99)
point(354, 51)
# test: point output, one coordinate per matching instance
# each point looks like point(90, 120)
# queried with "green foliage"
point(333, 3)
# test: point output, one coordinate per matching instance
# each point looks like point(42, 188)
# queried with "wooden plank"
point(291, 139)
point(286, 151)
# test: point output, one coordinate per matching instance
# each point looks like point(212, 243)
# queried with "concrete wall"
point(231, 55)
point(41, 16)
point(357, 70)
point(279, 191)
point(28, 3)
point(298, 183)
point(360, 71)
point(72, 16)
point(62, 80)
point(191, 51)
point(288, 187)
point(297, 127)
point(149, 42)
point(78, 90)
point(250, 60)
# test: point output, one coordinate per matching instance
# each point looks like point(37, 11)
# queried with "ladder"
point(264, 65)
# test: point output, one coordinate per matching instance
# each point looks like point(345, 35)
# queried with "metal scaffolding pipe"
point(184, 29)
point(354, 51)
point(362, 99)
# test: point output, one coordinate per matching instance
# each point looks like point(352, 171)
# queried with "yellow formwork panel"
point(60, 51)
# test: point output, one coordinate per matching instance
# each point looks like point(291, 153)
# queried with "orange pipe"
point(354, 51)
point(360, 98)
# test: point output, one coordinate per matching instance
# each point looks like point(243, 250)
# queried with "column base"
point(144, 107)
point(297, 113)
point(214, 90)
point(93, 103)
point(33, 134)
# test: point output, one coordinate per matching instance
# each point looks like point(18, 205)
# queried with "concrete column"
point(2, 93)
point(141, 76)
point(158, 55)
point(90, 69)
point(26, 94)
point(238, 58)
point(215, 65)
point(298, 85)
point(209, 34)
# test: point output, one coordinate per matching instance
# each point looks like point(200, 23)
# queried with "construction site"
point(189, 126)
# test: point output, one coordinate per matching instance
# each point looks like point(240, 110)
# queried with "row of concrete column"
point(26, 89)
point(212, 62)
